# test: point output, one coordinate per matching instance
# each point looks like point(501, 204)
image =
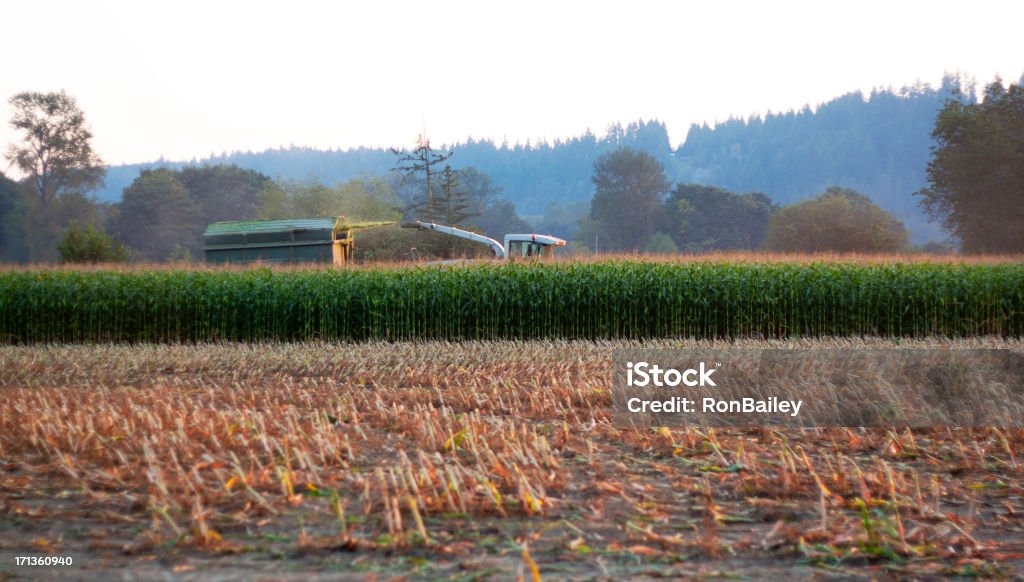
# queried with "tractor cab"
point(527, 246)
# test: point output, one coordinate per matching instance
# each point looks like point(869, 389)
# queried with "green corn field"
point(614, 299)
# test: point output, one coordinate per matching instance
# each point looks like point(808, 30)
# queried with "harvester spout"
point(499, 251)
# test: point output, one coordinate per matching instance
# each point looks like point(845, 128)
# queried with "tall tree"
point(157, 215)
point(423, 159)
point(214, 193)
point(629, 187)
point(56, 153)
point(59, 166)
point(976, 174)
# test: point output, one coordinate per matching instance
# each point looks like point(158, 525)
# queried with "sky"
point(186, 79)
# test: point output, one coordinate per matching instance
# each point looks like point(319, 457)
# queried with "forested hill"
point(877, 144)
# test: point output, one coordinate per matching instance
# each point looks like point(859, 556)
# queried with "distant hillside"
point(531, 175)
point(878, 145)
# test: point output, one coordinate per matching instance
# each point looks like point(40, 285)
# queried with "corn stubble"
point(452, 451)
point(612, 299)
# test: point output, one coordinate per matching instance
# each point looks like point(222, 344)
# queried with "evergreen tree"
point(451, 206)
point(423, 159)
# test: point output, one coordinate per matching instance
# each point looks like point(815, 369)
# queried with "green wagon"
point(317, 240)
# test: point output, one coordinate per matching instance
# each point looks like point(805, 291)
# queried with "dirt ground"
point(469, 461)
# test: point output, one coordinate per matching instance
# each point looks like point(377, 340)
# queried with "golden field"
point(470, 460)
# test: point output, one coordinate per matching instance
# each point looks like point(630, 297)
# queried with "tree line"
point(636, 209)
point(634, 201)
point(161, 215)
point(876, 143)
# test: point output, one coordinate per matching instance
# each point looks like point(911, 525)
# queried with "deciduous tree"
point(704, 218)
point(224, 191)
point(156, 214)
point(976, 174)
point(56, 152)
point(838, 220)
point(56, 158)
point(629, 188)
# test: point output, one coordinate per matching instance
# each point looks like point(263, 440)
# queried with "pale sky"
point(182, 79)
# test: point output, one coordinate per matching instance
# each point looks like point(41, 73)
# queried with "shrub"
point(839, 220)
point(89, 245)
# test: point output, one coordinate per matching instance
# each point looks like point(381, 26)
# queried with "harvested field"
point(470, 460)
